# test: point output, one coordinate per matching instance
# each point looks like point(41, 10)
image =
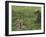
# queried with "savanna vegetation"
point(26, 18)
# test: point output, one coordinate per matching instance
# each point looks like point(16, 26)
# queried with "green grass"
point(27, 14)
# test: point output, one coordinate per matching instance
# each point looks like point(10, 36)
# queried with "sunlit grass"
point(27, 14)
